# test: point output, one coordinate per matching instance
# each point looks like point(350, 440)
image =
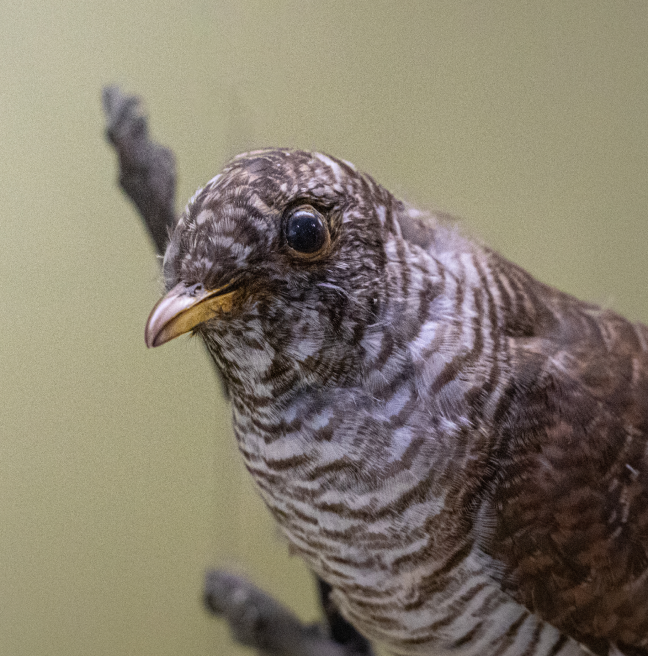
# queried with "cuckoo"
point(459, 450)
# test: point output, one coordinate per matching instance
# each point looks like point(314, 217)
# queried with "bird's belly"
point(429, 608)
point(402, 583)
point(402, 561)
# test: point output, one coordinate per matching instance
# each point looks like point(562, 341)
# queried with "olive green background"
point(119, 478)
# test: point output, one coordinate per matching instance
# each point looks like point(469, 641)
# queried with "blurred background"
point(119, 478)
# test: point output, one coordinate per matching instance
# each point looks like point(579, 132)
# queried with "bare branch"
point(146, 169)
point(258, 621)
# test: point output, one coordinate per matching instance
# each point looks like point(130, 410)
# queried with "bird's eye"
point(306, 231)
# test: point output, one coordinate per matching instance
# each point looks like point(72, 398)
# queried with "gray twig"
point(257, 620)
point(146, 169)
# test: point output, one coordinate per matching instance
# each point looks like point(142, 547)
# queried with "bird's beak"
point(184, 308)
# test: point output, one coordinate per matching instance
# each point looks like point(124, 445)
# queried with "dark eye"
point(306, 231)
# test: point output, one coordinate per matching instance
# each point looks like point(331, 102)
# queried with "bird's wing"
point(571, 503)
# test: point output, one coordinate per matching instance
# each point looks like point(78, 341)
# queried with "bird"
point(458, 449)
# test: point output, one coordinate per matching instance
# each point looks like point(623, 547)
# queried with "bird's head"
point(279, 262)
